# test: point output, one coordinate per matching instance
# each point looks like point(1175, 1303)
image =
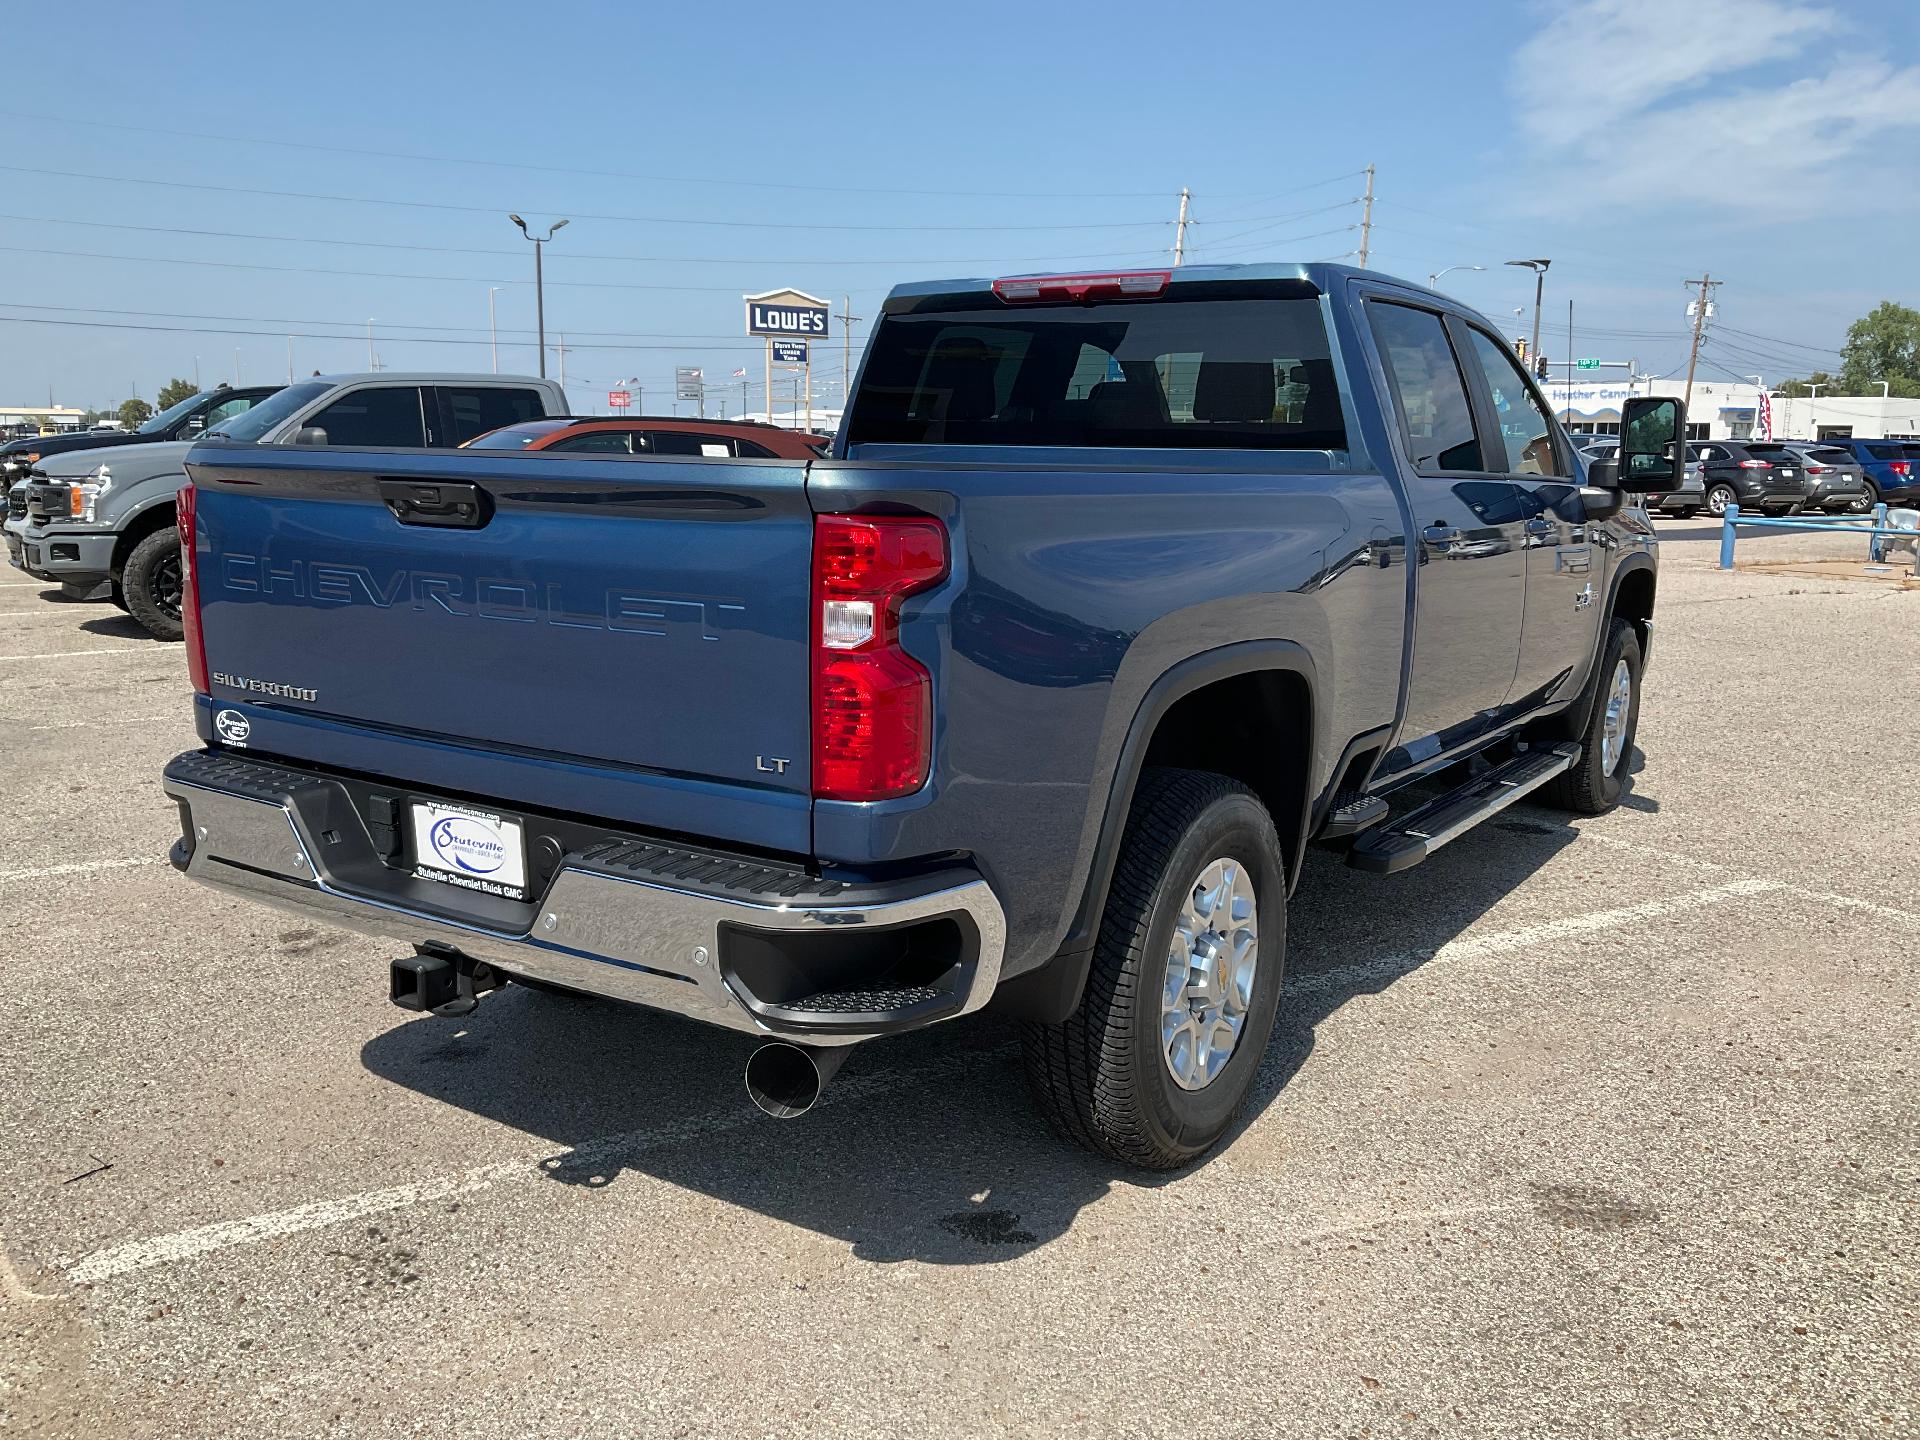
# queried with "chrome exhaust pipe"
point(785, 1080)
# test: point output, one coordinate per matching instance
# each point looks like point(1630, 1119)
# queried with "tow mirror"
point(1653, 446)
point(310, 435)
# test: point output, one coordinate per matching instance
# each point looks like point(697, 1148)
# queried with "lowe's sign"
point(787, 315)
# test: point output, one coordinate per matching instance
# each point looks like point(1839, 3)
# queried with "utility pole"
point(289, 359)
point(847, 317)
point(493, 330)
point(372, 364)
point(1366, 221)
point(1706, 284)
point(563, 360)
point(1567, 417)
point(1180, 227)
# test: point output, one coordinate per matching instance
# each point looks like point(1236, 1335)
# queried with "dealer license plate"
point(474, 849)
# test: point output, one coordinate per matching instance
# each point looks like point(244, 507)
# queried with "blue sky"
point(703, 151)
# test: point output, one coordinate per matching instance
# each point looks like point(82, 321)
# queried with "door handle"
point(1442, 537)
point(453, 506)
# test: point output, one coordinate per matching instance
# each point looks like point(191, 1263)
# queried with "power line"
point(568, 255)
point(550, 169)
point(569, 210)
point(389, 326)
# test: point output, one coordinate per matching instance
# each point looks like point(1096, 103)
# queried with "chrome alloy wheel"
point(1209, 977)
point(1613, 728)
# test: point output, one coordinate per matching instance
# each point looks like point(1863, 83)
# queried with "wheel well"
point(1256, 728)
point(142, 525)
point(1634, 601)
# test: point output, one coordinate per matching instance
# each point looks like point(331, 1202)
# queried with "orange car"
point(666, 435)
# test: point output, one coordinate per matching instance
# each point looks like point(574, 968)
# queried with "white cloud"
point(1717, 101)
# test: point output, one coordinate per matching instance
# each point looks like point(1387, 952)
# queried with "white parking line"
point(116, 1260)
point(76, 654)
point(1479, 947)
point(85, 867)
point(51, 614)
point(119, 720)
point(1827, 897)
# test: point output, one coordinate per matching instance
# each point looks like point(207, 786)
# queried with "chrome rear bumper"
point(595, 931)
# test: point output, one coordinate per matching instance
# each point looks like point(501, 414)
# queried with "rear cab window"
point(380, 416)
point(1207, 366)
point(475, 409)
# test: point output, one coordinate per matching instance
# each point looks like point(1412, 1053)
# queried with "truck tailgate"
point(645, 619)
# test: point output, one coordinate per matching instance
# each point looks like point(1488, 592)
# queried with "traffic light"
point(1540, 367)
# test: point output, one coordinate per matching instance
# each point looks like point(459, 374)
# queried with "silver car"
point(1686, 502)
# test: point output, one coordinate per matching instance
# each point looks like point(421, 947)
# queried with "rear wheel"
point(1872, 497)
point(1158, 1059)
point(150, 583)
point(1719, 497)
point(1595, 782)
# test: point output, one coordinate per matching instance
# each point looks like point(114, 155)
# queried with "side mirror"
point(309, 435)
point(1602, 502)
point(1653, 448)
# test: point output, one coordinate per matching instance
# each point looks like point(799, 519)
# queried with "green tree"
point(174, 391)
point(1801, 389)
point(1883, 344)
point(134, 413)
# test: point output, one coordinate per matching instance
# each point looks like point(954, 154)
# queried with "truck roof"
point(435, 377)
point(1319, 274)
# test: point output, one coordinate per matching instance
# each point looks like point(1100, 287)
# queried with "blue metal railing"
point(1876, 533)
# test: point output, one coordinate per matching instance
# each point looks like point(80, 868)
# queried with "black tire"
point(1873, 496)
point(150, 581)
point(1590, 788)
point(1719, 497)
point(1101, 1077)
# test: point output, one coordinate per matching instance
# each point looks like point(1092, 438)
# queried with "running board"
point(1406, 842)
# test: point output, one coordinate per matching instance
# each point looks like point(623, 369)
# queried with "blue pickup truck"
point(1114, 594)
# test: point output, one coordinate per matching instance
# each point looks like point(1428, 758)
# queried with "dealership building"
point(1730, 410)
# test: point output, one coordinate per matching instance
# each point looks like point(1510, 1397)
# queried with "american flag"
point(738, 373)
point(1766, 414)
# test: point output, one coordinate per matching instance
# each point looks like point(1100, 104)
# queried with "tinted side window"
point(1526, 430)
point(751, 451)
point(227, 409)
point(481, 408)
point(1428, 390)
point(687, 442)
point(389, 415)
point(599, 442)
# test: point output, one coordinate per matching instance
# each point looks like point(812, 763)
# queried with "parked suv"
point(1891, 468)
point(1839, 484)
point(1754, 474)
point(185, 420)
point(1686, 502)
point(90, 518)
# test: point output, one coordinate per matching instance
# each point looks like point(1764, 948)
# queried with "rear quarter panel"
point(1075, 587)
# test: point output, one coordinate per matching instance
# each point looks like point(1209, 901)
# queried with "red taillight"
point(183, 509)
point(1819, 469)
point(1900, 467)
point(1755, 465)
point(1118, 285)
point(873, 702)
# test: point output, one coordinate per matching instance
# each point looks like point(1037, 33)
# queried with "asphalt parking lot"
point(1597, 1128)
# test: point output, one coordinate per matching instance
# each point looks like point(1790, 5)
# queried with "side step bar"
point(1407, 841)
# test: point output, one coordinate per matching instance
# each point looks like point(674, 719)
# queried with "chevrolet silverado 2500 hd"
point(1114, 593)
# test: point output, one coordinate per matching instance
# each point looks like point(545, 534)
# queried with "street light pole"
point(493, 330)
point(1539, 268)
point(539, 282)
point(1433, 280)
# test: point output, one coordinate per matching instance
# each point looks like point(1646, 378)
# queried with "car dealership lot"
point(1593, 1128)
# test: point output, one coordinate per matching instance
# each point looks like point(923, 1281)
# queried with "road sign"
point(687, 384)
point(787, 315)
point(1585, 363)
point(789, 352)
point(619, 399)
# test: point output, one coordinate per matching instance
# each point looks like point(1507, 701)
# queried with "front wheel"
point(1595, 783)
point(1159, 1057)
point(150, 584)
point(1718, 499)
point(1872, 496)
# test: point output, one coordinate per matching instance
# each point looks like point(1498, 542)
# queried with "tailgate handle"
point(455, 506)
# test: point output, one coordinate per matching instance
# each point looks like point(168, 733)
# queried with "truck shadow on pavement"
point(926, 1147)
